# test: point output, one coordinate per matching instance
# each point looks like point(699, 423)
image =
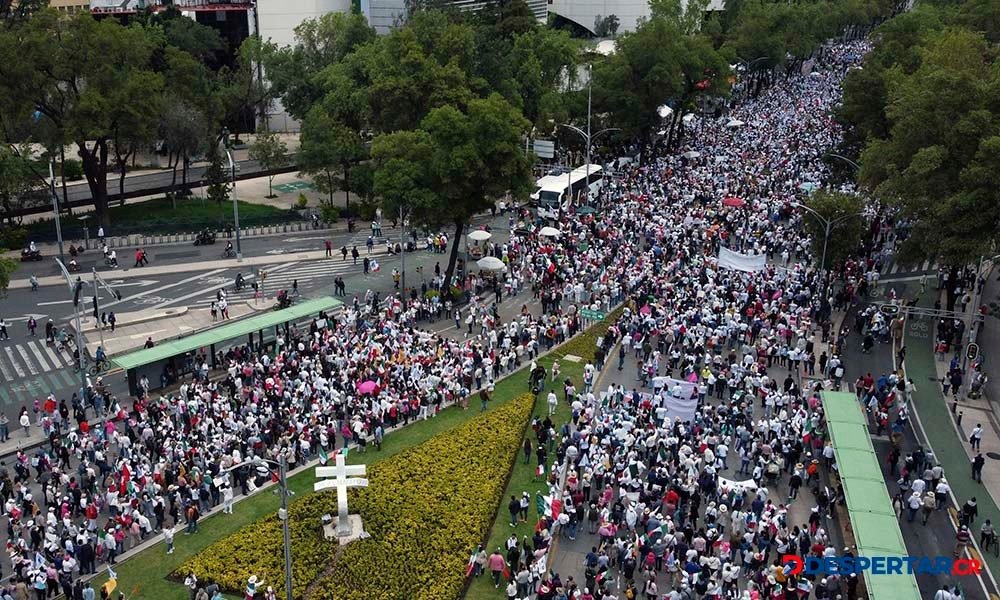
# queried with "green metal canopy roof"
point(873, 520)
point(231, 331)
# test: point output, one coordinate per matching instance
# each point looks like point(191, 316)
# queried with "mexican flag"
point(549, 506)
point(323, 458)
point(126, 477)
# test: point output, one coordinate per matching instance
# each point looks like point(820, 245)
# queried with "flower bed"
point(426, 509)
point(584, 344)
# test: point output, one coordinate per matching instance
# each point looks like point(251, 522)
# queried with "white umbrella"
point(735, 123)
point(688, 118)
point(480, 236)
point(549, 232)
point(491, 263)
point(664, 111)
point(691, 154)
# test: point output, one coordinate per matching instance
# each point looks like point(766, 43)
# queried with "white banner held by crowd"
point(741, 262)
point(674, 406)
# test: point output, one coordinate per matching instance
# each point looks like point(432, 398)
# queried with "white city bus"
point(556, 191)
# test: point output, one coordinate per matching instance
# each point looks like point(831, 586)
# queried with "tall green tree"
point(656, 64)
point(16, 180)
point(217, 175)
point(271, 153)
point(297, 72)
point(939, 161)
point(454, 166)
point(183, 129)
point(327, 151)
point(90, 79)
point(843, 211)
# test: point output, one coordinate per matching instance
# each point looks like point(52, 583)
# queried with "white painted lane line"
point(164, 287)
point(56, 359)
point(36, 350)
point(27, 361)
point(14, 363)
point(7, 375)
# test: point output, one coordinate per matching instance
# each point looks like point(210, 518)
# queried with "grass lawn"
point(523, 479)
point(159, 216)
point(144, 575)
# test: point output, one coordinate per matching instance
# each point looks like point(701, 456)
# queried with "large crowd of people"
point(648, 487)
point(699, 506)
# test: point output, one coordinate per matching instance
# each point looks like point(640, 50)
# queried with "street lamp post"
point(588, 138)
point(829, 225)
point(856, 166)
point(97, 308)
point(282, 466)
point(402, 252)
point(79, 330)
point(286, 532)
point(236, 206)
point(55, 206)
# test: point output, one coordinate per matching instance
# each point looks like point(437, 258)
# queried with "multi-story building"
point(585, 13)
point(70, 7)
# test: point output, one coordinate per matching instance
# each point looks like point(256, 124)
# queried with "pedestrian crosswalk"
point(893, 269)
point(309, 275)
point(33, 369)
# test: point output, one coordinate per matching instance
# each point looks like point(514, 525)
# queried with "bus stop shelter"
point(176, 356)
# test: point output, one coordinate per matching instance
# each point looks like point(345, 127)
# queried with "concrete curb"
point(166, 314)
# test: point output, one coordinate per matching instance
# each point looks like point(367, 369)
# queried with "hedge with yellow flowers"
point(426, 509)
point(585, 344)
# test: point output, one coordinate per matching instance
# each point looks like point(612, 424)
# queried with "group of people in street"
point(691, 483)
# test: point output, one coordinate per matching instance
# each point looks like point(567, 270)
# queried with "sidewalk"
point(207, 265)
point(132, 329)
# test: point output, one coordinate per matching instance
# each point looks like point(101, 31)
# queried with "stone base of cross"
point(342, 477)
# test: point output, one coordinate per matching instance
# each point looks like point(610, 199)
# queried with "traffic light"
point(77, 289)
point(972, 351)
point(889, 310)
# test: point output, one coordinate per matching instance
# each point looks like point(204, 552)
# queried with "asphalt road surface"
point(32, 369)
point(937, 538)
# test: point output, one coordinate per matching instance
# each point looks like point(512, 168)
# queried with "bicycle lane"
point(932, 418)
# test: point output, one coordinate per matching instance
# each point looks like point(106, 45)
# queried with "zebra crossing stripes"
point(896, 268)
point(33, 357)
point(306, 273)
point(32, 369)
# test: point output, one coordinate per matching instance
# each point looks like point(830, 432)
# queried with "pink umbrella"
point(368, 387)
point(733, 201)
point(645, 310)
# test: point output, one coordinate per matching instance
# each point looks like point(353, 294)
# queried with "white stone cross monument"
point(340, 478)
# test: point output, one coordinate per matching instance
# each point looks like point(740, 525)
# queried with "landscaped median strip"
point(143, 572)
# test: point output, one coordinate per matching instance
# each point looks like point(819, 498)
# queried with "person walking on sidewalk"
point(976, 436)
point(977, 467)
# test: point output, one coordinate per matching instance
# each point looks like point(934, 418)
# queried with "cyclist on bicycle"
point(100, 358)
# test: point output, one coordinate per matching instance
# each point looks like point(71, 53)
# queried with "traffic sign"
point(545, 148)
point(972, 351)
point(594, 315)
